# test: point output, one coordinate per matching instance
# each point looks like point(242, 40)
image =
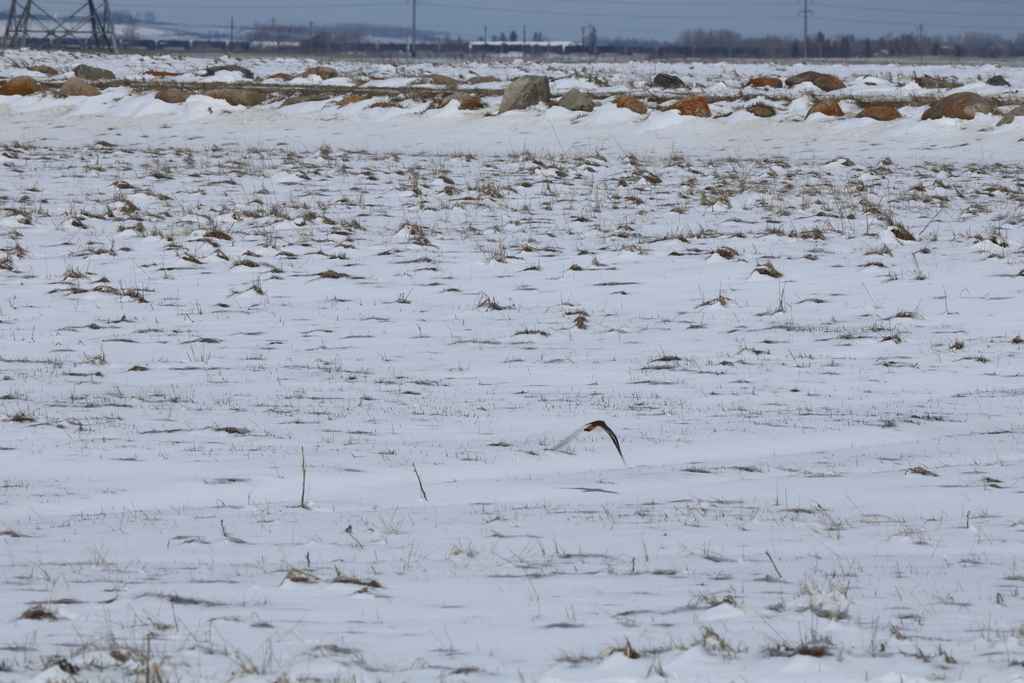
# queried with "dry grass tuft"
point(769, 269)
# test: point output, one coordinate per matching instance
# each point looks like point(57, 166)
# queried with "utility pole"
point(413, 28)
point(805, 12)
point(231, 38)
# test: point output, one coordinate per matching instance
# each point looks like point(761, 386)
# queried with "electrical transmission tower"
point(89, 27)
point(806, 12)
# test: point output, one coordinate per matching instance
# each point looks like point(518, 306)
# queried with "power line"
point(583, 13)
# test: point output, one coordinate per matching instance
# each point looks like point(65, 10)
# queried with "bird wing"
point(590, 426)
point(568, 440)
point(615, 440)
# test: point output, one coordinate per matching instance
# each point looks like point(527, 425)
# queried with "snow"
point(212, 315)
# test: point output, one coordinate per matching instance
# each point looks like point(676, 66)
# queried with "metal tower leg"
point(90, 27)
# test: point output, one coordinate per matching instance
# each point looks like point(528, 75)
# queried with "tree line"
point(725, 43)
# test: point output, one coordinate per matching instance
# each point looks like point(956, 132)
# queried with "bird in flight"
point(589, 427)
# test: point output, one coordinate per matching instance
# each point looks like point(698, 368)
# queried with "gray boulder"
point(574, 100)
point(934, 83)
point(997, 80)
point(667, 81)
point(802, 77)
point(229, 67)
point(524, 92)
point(93, 73)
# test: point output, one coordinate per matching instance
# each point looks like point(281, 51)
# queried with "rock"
point(236, 96)
point(324, 72)
point(93, 73)
point(762, 110)
point(935, 83)
point(765, 82)
point(524, 92)
point(481, 79)
point(299, 99)
point(961, 105)
point(691, 106)
point(472, 102)
point(48, 70)
point(997, 80)
point(441, 79)
point(280, 76)
point(879, 113)
point(667, 81)
point(574, 100)
point(828, 107)
point(161, 74)
point(802, 78)
point(19, 85)
point(466, 100)
point(211, 70)
point(826, 82)
point(631, 103)
point(172, 96)
point(77, 87)
point(1009, 116)
point(352, 99)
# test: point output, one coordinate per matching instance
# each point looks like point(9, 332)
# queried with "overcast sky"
point(562, 19)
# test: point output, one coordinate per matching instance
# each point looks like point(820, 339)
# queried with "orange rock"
point(282, 76)
point(828, 82)
point(962, 105)
point(19, 85)
point(691, 106)
point(161, 74)
point(441, 79)
point(352, 99)
point(472, 102)
point(382, 105)
point(482, 79)
point(631, 103)
point(879, 113)
point(48, 70)
point(765, 82)
point(828, 107)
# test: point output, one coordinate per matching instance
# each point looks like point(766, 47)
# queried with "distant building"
point(521, 45)
point(274, 44)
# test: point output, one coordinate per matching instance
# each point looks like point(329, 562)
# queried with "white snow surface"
point(806, 335)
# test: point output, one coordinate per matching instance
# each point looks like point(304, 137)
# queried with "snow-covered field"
point(277, 386)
